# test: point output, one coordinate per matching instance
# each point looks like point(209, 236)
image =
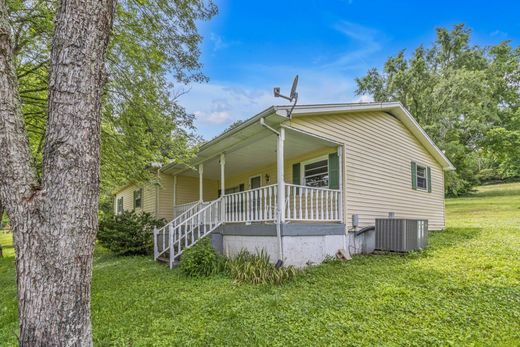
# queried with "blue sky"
point(252, 46)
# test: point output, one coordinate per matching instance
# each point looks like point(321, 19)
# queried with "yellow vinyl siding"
point(378, 154)
point(165, 197)
point(157, 198)
point(128, 198)
point(188, 189)
point(149, 198)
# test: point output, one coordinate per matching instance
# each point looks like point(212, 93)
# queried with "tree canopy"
point(153, 55)
point(465, 96)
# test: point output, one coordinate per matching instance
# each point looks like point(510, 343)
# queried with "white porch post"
point(222, 186)
point(201, 182)
point(174, 194)
point(341, 177)
point(222, 168)
point(281, 189)
point(280, 175)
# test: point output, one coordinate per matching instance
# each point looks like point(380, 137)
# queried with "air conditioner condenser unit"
point(401, 235)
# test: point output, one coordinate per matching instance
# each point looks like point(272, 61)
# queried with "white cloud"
point(219, 42)
point(329, 79)
point(216, 117)
point(366, 41)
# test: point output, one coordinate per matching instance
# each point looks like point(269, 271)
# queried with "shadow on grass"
point(495, 193)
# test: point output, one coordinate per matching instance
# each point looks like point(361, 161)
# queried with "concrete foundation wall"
point(303, 244)
point(361, 244)
point(301, 251)
point(233, 244)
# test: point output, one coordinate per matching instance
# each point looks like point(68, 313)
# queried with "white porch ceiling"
point(259, 150)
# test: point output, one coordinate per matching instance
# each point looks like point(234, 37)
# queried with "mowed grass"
point(463, 290)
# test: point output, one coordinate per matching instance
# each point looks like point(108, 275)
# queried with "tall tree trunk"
point(1, 215)
point(55, 221)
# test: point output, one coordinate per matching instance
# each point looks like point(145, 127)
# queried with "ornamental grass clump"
point(257, 269)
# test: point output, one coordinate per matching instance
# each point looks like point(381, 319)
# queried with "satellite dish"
point(293, 97)
point(293, 89)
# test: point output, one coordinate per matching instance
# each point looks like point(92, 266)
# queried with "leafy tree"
point(60, 101)
point(460, 94)
point(153, 43)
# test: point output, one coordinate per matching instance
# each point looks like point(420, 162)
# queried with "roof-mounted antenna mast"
point(293, 96)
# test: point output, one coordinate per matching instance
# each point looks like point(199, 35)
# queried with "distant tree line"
point(467, 99)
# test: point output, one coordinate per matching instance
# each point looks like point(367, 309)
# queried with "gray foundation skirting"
point(291, 229)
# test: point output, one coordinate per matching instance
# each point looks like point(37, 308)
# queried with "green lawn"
point(464, 290)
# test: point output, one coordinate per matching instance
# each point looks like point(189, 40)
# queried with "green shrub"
point(201, 260)
point(257, 269)
point(129, 233)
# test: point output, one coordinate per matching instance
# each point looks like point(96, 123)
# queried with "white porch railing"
point(255, 205)
point(312, 204)
point(301, 204)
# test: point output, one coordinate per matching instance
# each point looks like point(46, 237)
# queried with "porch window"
point(119, 206)
point(316, 173)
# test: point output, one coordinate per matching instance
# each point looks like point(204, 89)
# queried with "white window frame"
point(425, 167)
point(255, 176)
point(312, 161)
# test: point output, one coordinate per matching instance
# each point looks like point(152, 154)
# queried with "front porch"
point(265, 177)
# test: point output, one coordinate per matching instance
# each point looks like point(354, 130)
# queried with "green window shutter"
point(241, 187)
point(333, 171)
point(429, 175)
point(296, 174)
point(135, 196)
point(414, 175)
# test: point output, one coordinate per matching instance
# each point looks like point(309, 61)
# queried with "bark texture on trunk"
point(1, 214)
point(55, 221)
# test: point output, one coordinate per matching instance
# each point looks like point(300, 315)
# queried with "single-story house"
point(289, 181)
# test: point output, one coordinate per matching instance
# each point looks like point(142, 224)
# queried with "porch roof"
point(253, 148)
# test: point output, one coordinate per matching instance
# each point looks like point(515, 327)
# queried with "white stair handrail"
point(158, 251)
point(189, 231)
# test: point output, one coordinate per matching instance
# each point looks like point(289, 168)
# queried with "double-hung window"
point(315, 173)
point(422, 180)
point(138, 198)
point(421, 177)
point(119, 205)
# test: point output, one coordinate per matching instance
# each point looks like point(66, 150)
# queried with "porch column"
point(341, 177)
point(222, 167)
point(174, 195)
point(281, 190)
point(201, 182)
point(280, 176)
